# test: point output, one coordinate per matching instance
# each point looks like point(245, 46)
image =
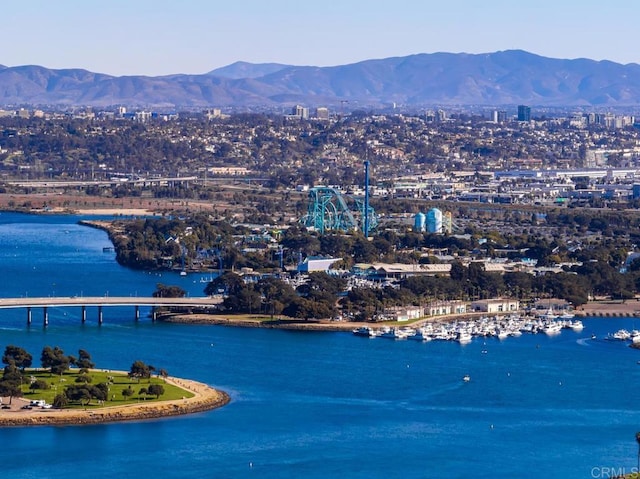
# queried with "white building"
point(315, 263)
point(499, 305)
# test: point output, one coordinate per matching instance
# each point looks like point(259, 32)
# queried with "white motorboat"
point(365, 331)
point(622, 335)
point(464, 337)
point(421, 334)
point(503, 334)
point(393, 333)
point(576, 325)
point(553, 327)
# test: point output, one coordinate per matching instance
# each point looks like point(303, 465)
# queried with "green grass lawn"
point(117, 382)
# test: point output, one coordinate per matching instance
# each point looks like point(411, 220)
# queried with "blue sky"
point(158, 37)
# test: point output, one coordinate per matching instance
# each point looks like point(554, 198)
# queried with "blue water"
point(313, 404)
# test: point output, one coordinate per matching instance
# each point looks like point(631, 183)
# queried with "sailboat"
point(549, 314)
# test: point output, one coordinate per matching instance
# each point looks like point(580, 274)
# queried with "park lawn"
point(119, 381)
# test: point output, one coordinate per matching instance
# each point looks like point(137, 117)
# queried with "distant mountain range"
point(493, 79)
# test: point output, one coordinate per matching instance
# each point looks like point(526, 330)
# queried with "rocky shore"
point(204, 398)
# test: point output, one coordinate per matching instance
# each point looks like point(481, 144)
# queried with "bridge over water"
point(102, 301)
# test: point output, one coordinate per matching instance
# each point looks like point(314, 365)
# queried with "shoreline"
point(205, 398)
point(598, 309)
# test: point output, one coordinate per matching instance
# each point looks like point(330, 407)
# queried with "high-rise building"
point(322, 113)
point(300, 112)
point(498, 116)
point(524, 113)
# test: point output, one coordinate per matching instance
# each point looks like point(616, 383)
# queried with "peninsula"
point(202, 398)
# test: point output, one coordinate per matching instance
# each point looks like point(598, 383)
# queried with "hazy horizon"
point(162, 37)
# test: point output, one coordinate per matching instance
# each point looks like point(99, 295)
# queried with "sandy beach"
point(204, 398)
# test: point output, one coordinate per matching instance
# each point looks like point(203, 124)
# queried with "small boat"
point(466, 378)
point(549, 315)
point(576, 325)
point(622, 335)
point(393, 333)
point(503, 334)
point(552, 328)
point(365, 331)
point(421, 334)
point(464, 337)
point(362, 331)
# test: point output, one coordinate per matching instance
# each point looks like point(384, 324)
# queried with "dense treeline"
point(325, 296)
point(593, 261)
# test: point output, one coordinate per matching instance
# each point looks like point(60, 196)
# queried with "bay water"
point(313, 404)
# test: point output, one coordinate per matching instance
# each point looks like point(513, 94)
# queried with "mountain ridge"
point(501, 78)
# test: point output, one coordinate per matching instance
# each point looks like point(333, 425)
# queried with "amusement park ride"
point(328, 210)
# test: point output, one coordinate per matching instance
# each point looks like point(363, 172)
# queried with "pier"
point(100, 302)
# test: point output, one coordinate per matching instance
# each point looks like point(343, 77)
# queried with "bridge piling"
point(99, 314)
point(28, 316)
point(84, 314)
point(137, 313)
point(45, 314)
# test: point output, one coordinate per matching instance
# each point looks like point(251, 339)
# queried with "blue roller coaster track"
point(328, 211)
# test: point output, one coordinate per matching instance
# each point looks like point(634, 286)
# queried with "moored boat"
point(552, 327)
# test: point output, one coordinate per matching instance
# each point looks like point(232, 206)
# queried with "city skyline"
point(162, 37)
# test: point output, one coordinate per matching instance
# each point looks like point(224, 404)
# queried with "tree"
point(127, 393)
point(10, 384)
point(164, 291)
point(60, 401)
point(11, 390)
point(55, 360)
point(84, 360)
point(39, 384)
point(229, 283)
point(79, 394)
point(156, 390)
point(139, 370)
point(84, 378)
point(20, 357)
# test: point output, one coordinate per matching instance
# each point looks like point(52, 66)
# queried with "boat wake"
point(584, 341)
